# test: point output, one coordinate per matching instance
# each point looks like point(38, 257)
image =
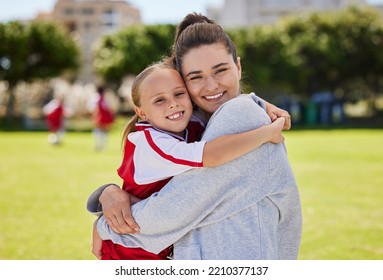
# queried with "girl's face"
point(211, 76)
point(165, 102)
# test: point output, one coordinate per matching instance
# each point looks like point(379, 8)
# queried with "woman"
point(246, 209)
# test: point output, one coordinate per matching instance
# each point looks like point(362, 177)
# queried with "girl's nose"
point(173, 105)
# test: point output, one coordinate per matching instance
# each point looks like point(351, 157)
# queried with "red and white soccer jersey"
point(152, 155)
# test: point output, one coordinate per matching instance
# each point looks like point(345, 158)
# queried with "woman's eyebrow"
point(219, 65)
point(193, 73)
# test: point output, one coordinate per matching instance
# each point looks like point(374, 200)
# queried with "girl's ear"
point(141, 114)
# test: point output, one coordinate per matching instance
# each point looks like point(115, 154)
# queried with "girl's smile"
point(175, 116)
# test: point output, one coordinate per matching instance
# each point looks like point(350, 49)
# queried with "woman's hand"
point(274, 113)
point(116, 209)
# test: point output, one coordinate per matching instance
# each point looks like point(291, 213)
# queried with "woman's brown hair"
point(196, 30)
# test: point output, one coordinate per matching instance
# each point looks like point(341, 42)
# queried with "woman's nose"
point(211, 83)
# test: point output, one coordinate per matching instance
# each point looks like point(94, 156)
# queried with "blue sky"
point(152, 11)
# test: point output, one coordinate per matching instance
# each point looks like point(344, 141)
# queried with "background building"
point(88, 20)
point(237, 13)
point(379, 7)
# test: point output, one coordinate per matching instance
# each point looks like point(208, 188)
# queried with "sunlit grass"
point(340, 175)
point(43, 192)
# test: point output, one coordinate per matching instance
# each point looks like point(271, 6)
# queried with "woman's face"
point(211, 76)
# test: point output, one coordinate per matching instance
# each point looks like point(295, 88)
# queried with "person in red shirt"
point(103, 118)
point(163, 140)
point(54, 117)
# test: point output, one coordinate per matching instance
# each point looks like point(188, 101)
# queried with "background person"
point(54, 117)
point(103, 118)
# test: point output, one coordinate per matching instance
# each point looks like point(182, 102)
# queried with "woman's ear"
point(239, 67)
point(141, 114)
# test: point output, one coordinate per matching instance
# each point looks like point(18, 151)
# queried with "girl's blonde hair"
point(166, 63)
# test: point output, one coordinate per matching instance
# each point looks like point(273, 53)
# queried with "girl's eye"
point(159, 100)
point(178, 94)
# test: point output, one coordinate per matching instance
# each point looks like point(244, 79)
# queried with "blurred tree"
point(39, 50)
point(131, 50)
point(328, 51)
point(308, 39)
point(266, 63)
point(334, 49)
point(316, 52)
point(360, 36)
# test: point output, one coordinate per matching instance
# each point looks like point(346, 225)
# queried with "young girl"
point(163, 145)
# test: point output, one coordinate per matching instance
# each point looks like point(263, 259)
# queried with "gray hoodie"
point(248, 208)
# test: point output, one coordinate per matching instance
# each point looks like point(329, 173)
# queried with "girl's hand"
point(274, 113)
point(276, 127)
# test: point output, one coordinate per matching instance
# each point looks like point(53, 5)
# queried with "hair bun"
point(191, 19)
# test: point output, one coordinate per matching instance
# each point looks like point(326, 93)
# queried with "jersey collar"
point(142, 125)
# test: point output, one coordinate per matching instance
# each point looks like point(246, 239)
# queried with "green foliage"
point(131, 50)
point(51, 51)
point(334, 48)
point(314, 52)
point(13, 51)
point(266, 62)
point(38, 50)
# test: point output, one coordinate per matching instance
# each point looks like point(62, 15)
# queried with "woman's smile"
point(214, 97)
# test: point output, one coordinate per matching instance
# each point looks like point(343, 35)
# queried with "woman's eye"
point(195, 78)
point(220, 70)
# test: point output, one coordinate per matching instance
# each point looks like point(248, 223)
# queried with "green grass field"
point(43, 192)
